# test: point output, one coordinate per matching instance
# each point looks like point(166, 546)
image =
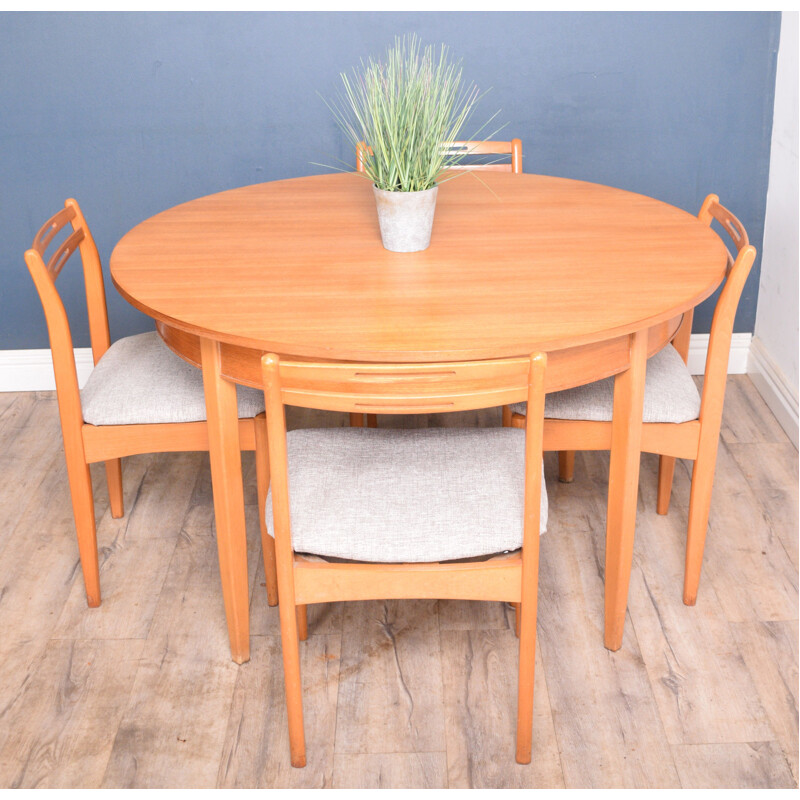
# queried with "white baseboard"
point(32, 370)
point(737, 360)
point(778, 393)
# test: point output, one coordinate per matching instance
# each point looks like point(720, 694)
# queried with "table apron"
point(566, 368)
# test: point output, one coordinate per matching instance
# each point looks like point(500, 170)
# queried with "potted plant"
point(397, 114)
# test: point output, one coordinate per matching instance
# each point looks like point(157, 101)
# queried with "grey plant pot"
point(406, 218)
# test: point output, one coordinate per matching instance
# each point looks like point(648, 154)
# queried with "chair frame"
point(86, 444)
point(696, 440)
point(403, 389)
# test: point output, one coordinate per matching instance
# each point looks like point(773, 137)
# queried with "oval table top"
point(517, 263)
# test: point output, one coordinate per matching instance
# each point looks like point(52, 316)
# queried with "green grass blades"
point(405, 108)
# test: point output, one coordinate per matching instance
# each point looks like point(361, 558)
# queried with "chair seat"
point(670, 395)
point(394, 496)
point(139, 380)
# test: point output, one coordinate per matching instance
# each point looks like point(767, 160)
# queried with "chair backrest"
point(403, 389)
point(719, 343)
point(512, 148)
point(45, 273)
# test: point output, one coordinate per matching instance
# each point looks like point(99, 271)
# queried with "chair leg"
point(517, 616)
point(699, 507)
point(566, 466)
point(293, 684)
point(527, 663)
point(506, 416)
point(302, 622)
point(114, 480)
point(262, 484)
point(666, 469)
point(356, 420)
point(372, 420)
point(80, 487)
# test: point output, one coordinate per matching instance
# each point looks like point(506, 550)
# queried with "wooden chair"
point(400, 505)
point(514, 165)
point(678, 423)
point(140, 398)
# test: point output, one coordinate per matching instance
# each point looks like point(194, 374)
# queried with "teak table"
point(595, 276)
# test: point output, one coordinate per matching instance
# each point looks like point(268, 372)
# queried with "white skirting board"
point(778, 393)
point(32, 370)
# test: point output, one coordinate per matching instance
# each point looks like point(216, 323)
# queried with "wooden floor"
point(141, 692)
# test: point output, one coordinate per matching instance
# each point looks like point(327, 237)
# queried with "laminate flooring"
point(141, 692)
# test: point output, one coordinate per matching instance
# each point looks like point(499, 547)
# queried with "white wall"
point(774, 349)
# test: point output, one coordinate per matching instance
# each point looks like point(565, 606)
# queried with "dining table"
point(595, 276)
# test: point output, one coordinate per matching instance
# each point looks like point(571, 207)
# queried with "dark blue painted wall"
point(133, 113)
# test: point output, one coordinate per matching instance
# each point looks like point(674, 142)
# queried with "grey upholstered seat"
point(391, 495)
point(670, 395)
point(140, 380)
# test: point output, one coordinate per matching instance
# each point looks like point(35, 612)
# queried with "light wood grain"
point(475, 663)
point(74, 701)
point(608, 712)
point(692, 658)
point(390, 771)
point(28, 428)
point(749, 765)
point(43, 544)
point(748, 419)
point(590, 678)
point(748, 552)
point(135, 551)
point(770, 470)
point(770, 650)
point(185, 675)
point(390, 683)
point(309, 250)
point(255, 751)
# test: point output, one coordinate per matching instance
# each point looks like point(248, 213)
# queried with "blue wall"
point(132, 113)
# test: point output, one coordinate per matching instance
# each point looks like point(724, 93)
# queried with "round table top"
point(517, 263)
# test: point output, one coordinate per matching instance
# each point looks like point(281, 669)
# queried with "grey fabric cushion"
point(670, 395)
point(392, 495)
point(140, 380)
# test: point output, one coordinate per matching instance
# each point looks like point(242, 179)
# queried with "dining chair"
point(361, 513)
point(139, 398)
point(514, 165)
point(678, 422)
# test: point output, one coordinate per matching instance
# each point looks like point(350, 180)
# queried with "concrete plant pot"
point(406, 218)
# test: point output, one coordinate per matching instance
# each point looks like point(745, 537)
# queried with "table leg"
point(226, 478)
point(623, 487)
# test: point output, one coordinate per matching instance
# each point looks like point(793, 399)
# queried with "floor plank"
point(132, 569)
point(771, 472)
point(747, 418)
point(174, 727)
point(255, 751)
point(390, 684)
point(752, 573)
point(398, 694)
point(754, 765)
point(770, 651)
point(691, 654)
point(31, 441)
point(606, 718)
point(61, 727)
point(482, 667)
point(390, 770)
